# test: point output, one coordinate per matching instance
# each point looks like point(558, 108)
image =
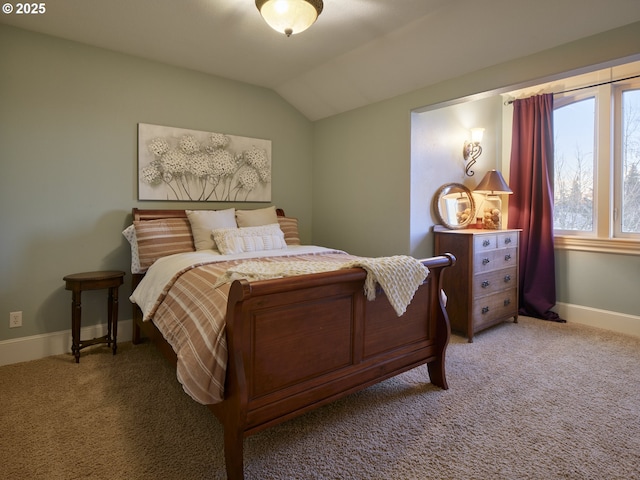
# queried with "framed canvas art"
point(196, 166)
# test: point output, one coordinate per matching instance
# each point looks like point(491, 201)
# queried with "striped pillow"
point(159, 238)
point(289, 227)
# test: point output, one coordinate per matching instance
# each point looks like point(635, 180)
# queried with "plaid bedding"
point(190, 314)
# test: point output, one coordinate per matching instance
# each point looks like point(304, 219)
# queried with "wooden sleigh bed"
point(297, 343)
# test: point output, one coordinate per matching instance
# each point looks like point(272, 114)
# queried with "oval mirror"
point(454, 206)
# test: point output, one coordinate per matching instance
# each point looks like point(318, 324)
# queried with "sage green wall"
point(361, 168)
point(599, 280)
point(68, 171)
point(361, 181)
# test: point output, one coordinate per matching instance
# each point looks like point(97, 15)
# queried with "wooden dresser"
point(482, 287)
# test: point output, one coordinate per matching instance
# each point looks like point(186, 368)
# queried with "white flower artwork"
point(192, 165)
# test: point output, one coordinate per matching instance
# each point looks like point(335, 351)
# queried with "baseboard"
point(594, 317)
point(39, 346)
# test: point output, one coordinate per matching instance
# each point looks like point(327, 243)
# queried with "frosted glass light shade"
point(289, 16)
point(477, 134)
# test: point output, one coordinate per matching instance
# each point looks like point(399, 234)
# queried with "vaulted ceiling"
point(358, 52)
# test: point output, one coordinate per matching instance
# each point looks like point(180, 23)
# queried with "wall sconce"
point(489, 214)
point(290, 16)
point(472, 150)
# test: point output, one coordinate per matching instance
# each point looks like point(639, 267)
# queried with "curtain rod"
point(509, 102)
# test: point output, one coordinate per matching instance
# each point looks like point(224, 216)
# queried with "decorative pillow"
point(249, 239)
point(203, 222)
point(289, 227)
point(257, 217)
point(130, 234)
point(162, 237)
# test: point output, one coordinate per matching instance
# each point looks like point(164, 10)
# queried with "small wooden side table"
point(79, 282)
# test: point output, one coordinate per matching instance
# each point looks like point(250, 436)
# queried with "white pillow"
point(257, 217)
point(130, 234)
point(249, 239)
point(204, 221)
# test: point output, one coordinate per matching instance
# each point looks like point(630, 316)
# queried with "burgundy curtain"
point(531, 205)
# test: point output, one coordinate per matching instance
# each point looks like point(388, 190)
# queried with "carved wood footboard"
point(297, 344)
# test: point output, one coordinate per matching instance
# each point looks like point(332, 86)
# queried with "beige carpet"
point(534, 400)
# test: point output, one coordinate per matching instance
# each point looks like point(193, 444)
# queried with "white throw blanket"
point(399, 276)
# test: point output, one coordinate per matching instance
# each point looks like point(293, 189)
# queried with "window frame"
point(618, 90)
point(606, 236)
point(565, 101)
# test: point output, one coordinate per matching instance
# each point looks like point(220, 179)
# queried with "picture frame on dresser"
point(482, 287)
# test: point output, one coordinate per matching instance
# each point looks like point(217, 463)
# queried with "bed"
point(293, 343)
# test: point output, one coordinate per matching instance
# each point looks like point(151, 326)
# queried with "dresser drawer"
point(495, 259)
point(485, 242)
point(489, 309)
point(507, 239)
point(495, 281)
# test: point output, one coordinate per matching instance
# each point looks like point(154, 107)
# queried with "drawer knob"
point(507, 302)
point(486, 243)
point(485, 261)
point(507, 240)
point(485, 310)
point(485, 284)
point(507, 257)
point(507, 278)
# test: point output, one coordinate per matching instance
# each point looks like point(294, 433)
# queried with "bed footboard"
point(300, 342)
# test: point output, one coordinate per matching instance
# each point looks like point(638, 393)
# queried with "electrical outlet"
point(15, 319)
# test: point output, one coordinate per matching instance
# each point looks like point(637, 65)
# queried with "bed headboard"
point(288, 225)
point(150, 214)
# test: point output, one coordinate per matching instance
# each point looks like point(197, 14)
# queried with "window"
point(629, 176)
point(574, 142)
point(597, 163)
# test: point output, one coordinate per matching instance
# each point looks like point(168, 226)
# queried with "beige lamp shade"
point(493, 183)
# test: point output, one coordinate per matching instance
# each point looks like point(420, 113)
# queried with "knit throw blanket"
point(399, 275)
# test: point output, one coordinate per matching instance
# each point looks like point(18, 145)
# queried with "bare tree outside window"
point(574, 131)
point(575, 161)
point(630, 161)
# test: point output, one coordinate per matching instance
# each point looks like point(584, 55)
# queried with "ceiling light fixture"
point(290, 16)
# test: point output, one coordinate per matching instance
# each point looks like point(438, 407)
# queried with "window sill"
point(601, 245)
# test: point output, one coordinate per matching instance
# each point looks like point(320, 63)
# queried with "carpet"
point(532, 400)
